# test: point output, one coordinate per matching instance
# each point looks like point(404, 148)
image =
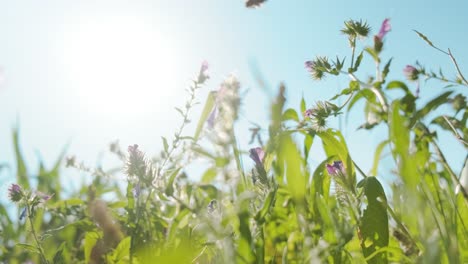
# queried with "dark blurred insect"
point(254, 3)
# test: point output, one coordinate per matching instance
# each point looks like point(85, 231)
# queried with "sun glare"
point(119, 66)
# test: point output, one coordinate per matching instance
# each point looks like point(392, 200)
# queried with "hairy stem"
point(33, 231)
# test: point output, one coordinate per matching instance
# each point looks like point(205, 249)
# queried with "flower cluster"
point(319, 113)
point(138, 166)
point(225, 112)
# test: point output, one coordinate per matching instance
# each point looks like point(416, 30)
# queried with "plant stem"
point(33, 231)
point(457, 135)
point(353, 49)
point(456, 66)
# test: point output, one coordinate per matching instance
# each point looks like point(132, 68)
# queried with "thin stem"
point(353, 48)
point(33, 231)
point(456, 66)
point(401, 226)
point(447, 167)
point(457, 135)
point(359, 169)
point(377, 92)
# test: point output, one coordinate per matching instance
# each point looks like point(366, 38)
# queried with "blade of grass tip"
point(260, 80)
point(238, 158)
point(209, 105)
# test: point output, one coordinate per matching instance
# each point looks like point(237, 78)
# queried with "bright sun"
point(119, 66)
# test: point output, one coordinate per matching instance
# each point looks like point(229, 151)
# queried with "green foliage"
point(284, 210)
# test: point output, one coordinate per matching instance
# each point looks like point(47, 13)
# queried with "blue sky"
point(90, 72)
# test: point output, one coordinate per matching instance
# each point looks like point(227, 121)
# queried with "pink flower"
point(384, 29)
point(15, 192)
point(411, 73)
point(203, 75)
point(309, 113)
point(257, 155)
point(310, 65)
point(336, 168)
point(212, 117)
point(44, 197)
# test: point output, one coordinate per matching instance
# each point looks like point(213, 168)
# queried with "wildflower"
point(309, 113)
point(257, 155)
point(43, 196)
point(310, 65)
point(313, 67)
point(384, 29)
point(136, 190)
point(203, 75)
point(378, 39)
point(226, 111)
point(336, 168)
point(15, 192)
point(411, 73)
point(136, 162)
point(212, 117)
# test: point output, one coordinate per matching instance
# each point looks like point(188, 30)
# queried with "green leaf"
point(386, 69)
point(335, 146)
point(378, 152)
point(245, 252)
point(21, 171)
point(290, 161)
point(433, 104)
point(58, 257)
point(303, 105)
point(90, 241)
point(308, 141)
point(400, 138)
point(373, 228)
point(28, 247)
point(358, 62)
point(165, 144)
point(122, 251)
point(421, 35)
point(321, 181)
point(267, 204)
point(290, 114)
point(209, 106)
point(398, 84)
point(209, 175)
point(374, 55)
point(170, 182)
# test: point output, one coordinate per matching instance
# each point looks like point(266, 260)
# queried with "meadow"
point(283, 209)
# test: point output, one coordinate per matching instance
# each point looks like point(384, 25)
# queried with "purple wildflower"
point(336, 168)
point(411, 73)
point(136, 162)
point(310, 65)
point(203, 75)
point(384, 29)
point(257, 155)
point(309, 113)
point(44, 197)
point(15, 192)
point(136, 190)
point(212, 117)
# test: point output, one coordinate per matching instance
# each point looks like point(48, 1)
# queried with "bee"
point(254, 3)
